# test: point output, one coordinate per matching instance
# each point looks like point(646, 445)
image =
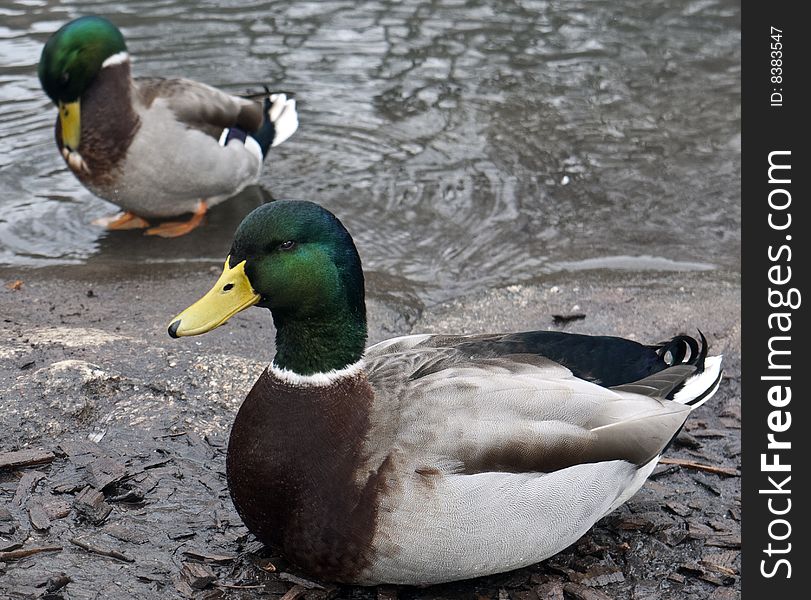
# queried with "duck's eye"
point(288, 245)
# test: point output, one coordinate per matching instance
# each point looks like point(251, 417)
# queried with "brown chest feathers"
point(108, 124)
point(296, 473)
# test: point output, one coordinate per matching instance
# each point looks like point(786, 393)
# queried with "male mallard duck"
point(155, 147)
point(427, 458)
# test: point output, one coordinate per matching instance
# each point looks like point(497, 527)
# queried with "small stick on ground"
point(728, 471)
point(25, 458)
point(297, 591)
point(306, 583)
point(23, 552)
point(100, 551)
point(234, 586)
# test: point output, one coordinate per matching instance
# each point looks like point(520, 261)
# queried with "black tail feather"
point(683, 349)
point(265, 134)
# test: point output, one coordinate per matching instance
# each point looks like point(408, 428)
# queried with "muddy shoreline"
point(130, 426)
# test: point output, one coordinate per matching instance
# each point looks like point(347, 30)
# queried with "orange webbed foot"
point(172, 229)
point(125, 220)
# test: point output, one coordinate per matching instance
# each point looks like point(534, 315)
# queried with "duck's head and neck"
point(298, 260)
point(71, 60)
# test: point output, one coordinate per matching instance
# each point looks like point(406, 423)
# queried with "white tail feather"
point(284, 117)
point(702, 385)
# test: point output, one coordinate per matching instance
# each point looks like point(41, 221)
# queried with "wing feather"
point(200, 106)
point(515, 413)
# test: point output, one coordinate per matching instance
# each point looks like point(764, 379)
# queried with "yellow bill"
point(231, 294)
point(70, 116)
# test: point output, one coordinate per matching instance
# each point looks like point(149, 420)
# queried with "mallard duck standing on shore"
point(427, 458)
point(156, 147)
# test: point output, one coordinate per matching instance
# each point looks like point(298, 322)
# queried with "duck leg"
point(125, 220)
point(172, 229)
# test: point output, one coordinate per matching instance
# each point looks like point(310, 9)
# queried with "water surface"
point(464, 144)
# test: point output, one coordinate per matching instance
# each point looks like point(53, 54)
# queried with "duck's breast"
point(297, 473)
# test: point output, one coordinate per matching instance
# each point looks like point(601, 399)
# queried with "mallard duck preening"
point(427, 458)
point(155, 147)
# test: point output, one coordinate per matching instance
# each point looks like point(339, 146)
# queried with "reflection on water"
point(464, 143)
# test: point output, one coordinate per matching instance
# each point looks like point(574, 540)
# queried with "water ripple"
point(464, 143)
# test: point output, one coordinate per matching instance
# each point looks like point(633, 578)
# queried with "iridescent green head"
point(298, 260)
point(74, 55)
point(299, 257)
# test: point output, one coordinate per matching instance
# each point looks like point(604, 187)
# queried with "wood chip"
point(600, 575)
point(728, 471)
point(197, 575)
point(688, 440)
point(726, 558)
point(56, 509)
point(81, 453)
point(581, 592)
point(219, 559)
point(305, 583)
point(25, 486)
point(698, 531)
point(710, 433)
point(674, 536)
point(721, 569)
point(678, 508)
point(134, 495)
point(38, 517)
point(56, 583)
point(662, 470)
point(126, 533)
point(725, 594)
point(721, 525)
point(551, 590)
point(297, 591)
point(68, 487)
point(25, 458)
point(646, 590)
point(182, 586)
point(705, 574)
point(91, 505)
point(24, 552)
point(6, 546)
point(677, 577)
point(181, 533)
point(649, 522)
point(105, 471)
point(100, 550)
point(236, 586)
point(724, 541)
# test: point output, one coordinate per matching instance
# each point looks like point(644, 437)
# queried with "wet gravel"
point(127, 429)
